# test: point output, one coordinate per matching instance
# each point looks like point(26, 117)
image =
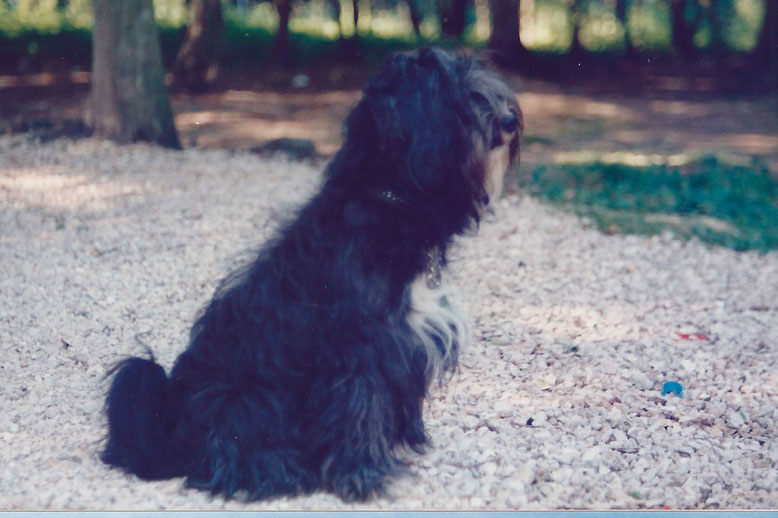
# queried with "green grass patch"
point(533, 138)
point(724, 202)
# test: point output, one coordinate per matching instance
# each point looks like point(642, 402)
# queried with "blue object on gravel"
point(674, 387)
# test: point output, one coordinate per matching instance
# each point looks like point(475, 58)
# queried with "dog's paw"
point(359, 484)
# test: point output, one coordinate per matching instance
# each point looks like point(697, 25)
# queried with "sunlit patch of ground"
point(557, 119)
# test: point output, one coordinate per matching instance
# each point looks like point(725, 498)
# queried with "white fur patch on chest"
point(441, 330)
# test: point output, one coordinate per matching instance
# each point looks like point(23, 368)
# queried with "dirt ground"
point(670, 116)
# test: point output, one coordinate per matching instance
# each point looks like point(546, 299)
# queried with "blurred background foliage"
point(34, 32)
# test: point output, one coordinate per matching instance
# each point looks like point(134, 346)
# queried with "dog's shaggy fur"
point(309, 368)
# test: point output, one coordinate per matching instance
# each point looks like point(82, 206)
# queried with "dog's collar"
point(386, 196)
point(392, 197)
point(432, 273)
point(389, 196)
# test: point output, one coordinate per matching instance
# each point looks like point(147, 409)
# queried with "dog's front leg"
point(357, 437)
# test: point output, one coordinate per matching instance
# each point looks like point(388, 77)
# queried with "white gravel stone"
point(574, 329)
point(526, 472)
point(591, 456)
point(735, 419)
point(488, 468)
point(567, 455)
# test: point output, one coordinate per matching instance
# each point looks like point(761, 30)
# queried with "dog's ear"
point(419, 117)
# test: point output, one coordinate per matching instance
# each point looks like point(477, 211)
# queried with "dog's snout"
point(509, 123)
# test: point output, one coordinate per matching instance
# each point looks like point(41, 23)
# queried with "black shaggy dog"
point(308, 369)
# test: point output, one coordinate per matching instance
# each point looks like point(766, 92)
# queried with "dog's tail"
point(139, 408)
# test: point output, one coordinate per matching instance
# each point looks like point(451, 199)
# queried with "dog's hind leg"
point(241, 448)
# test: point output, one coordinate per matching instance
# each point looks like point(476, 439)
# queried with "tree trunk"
point(413, 10)
point(348, 49)
point(622, 15)
point(576, 49)
point(717, 43)
point(200, 47)
point(683, 32)
point(281, 49)
point(452, 17)
point(128, 99)
point(765, 54)
point(505, 42)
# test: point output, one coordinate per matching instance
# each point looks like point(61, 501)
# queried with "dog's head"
point(439, 131)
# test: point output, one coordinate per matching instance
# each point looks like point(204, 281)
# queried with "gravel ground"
point(558, 402)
